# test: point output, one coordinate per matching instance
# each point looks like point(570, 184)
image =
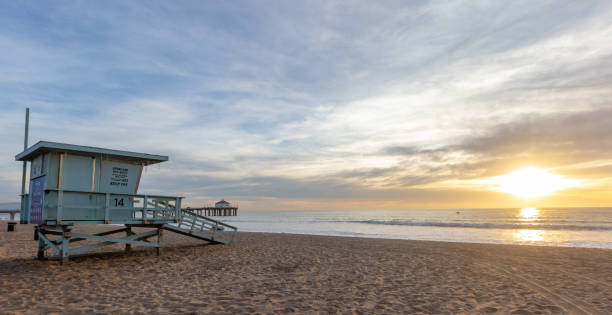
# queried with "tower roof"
point(47, 146)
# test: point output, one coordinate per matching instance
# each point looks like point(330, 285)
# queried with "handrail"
point(115, 208)
point(168, 212)
point(196, 224)
point(209, 219)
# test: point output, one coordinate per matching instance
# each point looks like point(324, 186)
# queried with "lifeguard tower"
point(74, 184)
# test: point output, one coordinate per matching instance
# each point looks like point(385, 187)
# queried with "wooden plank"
point(41, 247)
point(159, 240)
point(65, 248)
point(132, 239)
point(101, 234)
point(187, 233)
point(52, 232)
point(48, 242)
point(127, 240)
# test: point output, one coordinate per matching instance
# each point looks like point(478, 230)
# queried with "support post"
point(22, 216)
point(215, 228)
point(155, 206)
point(66, 235)
point(60, 206)
point(177, 208)
point(41, 244)
point(144, 209)
point(128, 232)
point(159, 240)
point(60, 193)
point(106, 208)
point(93, 175)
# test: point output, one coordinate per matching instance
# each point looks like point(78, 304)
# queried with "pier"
point(222, 208)
point(11, 212)
point(215, 211)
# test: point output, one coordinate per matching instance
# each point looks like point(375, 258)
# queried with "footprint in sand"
point(489, 310)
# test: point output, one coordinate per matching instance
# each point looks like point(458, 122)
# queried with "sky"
point(314, 105)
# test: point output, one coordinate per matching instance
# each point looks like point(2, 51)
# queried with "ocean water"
point(573, 227)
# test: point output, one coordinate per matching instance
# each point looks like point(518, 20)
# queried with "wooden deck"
point(60, 237)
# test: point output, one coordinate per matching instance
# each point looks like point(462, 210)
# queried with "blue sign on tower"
point(37, 193)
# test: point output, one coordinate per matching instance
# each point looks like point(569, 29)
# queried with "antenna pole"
point(23, 173)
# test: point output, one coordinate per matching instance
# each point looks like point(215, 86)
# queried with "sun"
point(532, 182)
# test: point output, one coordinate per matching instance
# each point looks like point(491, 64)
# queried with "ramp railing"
point(157, 208)
point(214, 230)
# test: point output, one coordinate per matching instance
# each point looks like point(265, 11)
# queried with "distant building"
point(222, 204)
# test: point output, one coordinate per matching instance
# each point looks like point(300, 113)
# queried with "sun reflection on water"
point(529, 214)
point(530, 235)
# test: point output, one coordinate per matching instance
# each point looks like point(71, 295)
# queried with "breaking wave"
point(486, 225)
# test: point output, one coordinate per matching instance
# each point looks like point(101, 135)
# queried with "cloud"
point(564, 137)
point(557, 140)
point(317, 100)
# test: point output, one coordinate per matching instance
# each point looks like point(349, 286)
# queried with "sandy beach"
point(287, 273)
